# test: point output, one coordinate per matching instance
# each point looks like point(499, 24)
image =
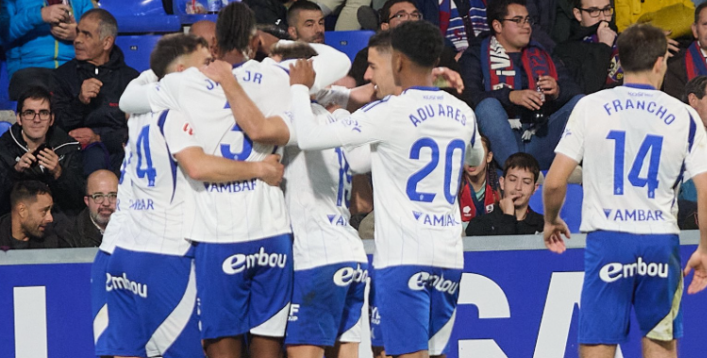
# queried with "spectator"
point(590, 54)
point(30, 223)
point(306, 22)
point(207, 30)
point(347, 20)
point(512, 215)
point(689, 63)
point(100, 199)
point(479, 187)
point(508, 77)
point(35, 149)
point(38, 33)
point(394, 13)
point(90, 86)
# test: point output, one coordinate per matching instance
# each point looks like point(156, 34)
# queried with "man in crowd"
point(522, 96)
point(590, 54)
point(628, 208)
point(30, 223)
point(512, 215)
point(36, 149)
point(100, 199)
point(89, 90)
point(207, 30)
point(689, 63)
point(306, 22)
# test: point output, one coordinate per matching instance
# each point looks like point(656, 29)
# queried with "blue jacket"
point(26, 38)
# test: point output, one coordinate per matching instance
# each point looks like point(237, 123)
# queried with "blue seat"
point(5, 102)
point(4, 126)
point(571, 211)
point(348, 42)
point(137, 49)
point(141, 16)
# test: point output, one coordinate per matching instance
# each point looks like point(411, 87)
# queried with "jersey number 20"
point(411, 188)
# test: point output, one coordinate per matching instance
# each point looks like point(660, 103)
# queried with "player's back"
point(154, 214)
point(636, 140)
point(416, 170)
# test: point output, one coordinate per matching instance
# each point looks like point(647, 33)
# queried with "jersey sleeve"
point(287, 119)
point(695, 162)
point(572, 141)
point(178, 132)
point(475, 149)
point(357, 129)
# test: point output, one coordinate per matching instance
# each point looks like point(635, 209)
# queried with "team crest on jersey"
point(350, 122)
point(567, 133)
point(188, 129)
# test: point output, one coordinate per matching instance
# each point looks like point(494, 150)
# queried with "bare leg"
point(343, 350)
point(224, 347)
point(265, 347)
point(304, 351)
point(597, 351)
point(379, 352)
point(418, 354)
point(659, 349)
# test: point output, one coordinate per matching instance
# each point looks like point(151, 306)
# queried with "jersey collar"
point(639, 86)
point(422, 88)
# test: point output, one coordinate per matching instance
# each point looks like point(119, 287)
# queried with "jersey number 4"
point(450, 193)
point(144, 158)
point(652, 143)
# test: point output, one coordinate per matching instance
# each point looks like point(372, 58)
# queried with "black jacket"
point(498, 223)
point(102, 114)
point(67, 191)
point(475, 90)
point(588, 63)
point(51, 239)
point(676, 76)
point(84, 233)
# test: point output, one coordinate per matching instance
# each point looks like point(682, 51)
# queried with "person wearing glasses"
point(689, 63)
point(590, 53)
point(101, 202)
point(35, 149)
point(522, 96)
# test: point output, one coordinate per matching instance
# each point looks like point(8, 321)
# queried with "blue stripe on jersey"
point(172, 162)
point(690, 142)
point(367, 107)
point(422, 88)
point(287, 70)
point(236, 65)
point(639, 86)
point(473, 135)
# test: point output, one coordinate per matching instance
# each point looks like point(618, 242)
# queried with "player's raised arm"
point(266, 130)
point(134, 99)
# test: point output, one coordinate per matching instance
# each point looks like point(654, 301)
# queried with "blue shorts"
point(417, 305)
point(374, 317)
point(326, 304)
point(99, 307)
point(624, 270)
point(244, 287)
point(152, 300)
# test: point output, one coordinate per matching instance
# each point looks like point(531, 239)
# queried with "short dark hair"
point(27, 191)
point(640, 45)
point(420, 41)
point(274, 30)
point(107, 25)
point(293, 50)
point(172, 46)
point(498, 10)
point(235, 27)
point(522, 161)
point(381, 41)
point(34, 92)
point(695, 86)
point(385, 10)
point(698, 10)
point(300, 5)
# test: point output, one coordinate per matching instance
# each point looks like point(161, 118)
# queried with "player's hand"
point(673, 46)
point(85, 136)
point(552, 234)
point(698, 262)
point(549, 86)
point(605, 34)
point(64, 30)
point(529, 99)
point(25, 162)
point(56, 13)
point(50, 161)
point(219, 71)
point(302, 73)
point(272, 170)
point(453, 78)
point(89, 90)
point(506, 204)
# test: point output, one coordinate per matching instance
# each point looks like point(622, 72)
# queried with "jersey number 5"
point(652, 143)
point(450, 193)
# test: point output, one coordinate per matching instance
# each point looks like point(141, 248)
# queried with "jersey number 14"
point(652, 143)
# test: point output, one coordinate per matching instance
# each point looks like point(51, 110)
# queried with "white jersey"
point(153, 219)
point(636, 144)
point(118, 218)
point(317, 193)
point(418, 142)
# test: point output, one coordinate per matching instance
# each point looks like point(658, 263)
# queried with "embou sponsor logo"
point(420, 280)
point(614, 271)
point(345, 275)
point(239, 262)
point(123, 283)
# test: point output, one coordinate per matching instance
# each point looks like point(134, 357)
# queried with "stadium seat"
point(4, 126)
point(137, 49)
point(571, 211)
point(141, 16)
point(5, 102)
point(348, 42)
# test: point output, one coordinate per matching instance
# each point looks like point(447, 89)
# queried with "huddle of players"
point(192, 171)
